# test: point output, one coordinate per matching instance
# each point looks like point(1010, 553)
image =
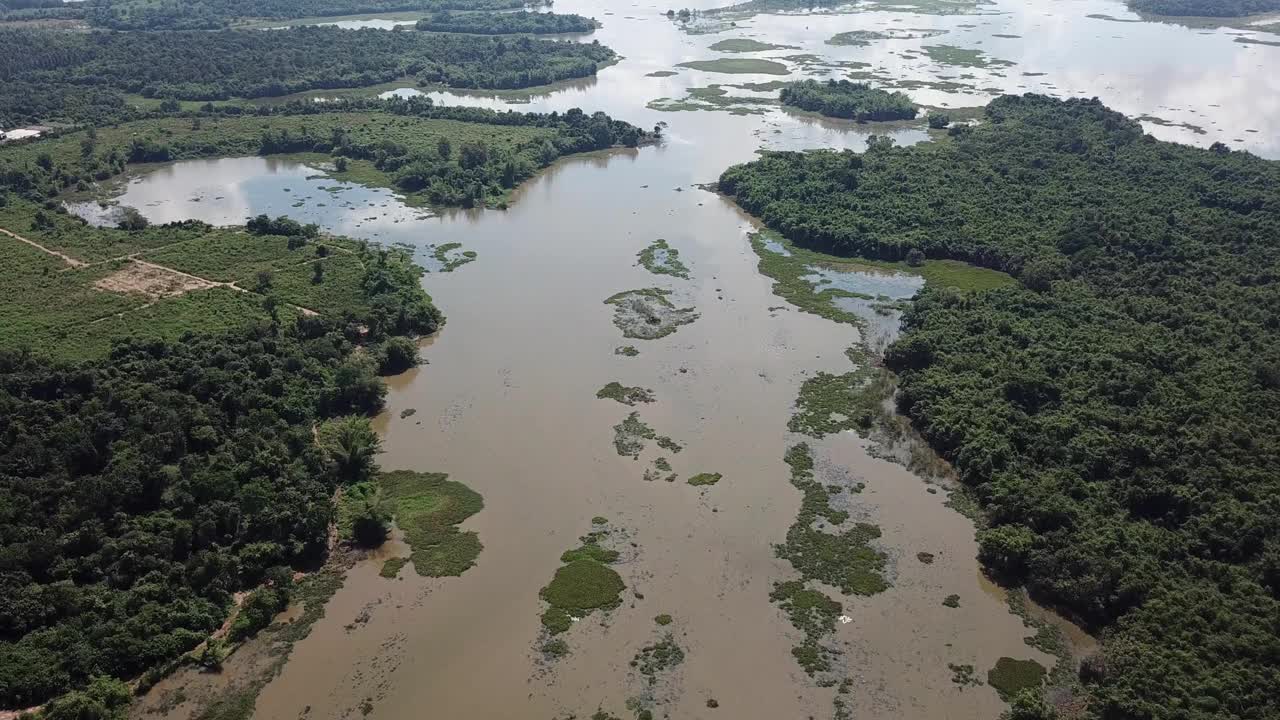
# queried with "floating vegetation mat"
point(647, 314)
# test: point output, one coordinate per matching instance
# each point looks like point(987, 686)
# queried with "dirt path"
point(70, 261)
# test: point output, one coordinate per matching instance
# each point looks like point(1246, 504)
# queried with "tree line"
point(1205, 8)
point(1117, 413)
point(848, 100)
point(49, 74)
point(506, 23)
point(220, 14)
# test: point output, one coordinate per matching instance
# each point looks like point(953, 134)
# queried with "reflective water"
point(507, 402)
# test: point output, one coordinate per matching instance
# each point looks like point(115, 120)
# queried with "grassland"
point(141, 287)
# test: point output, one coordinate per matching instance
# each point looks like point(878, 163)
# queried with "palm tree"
point(351, 445)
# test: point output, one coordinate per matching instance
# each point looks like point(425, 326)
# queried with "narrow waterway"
point(507, 400)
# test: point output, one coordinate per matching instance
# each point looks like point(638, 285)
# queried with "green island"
point(740, 45)
point(449, 156)
point(506, 23)
point(737, 66)
point(95, 77)
point(704, 479)
point(848, 100)
point(583, 584)
point(660, 258)
point(219, 14)
point(1139, 316)
point(448, 259)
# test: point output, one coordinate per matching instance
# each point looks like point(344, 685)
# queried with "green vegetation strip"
point(738, 66)
point(704, 479)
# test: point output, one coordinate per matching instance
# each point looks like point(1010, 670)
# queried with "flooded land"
point(622, 271)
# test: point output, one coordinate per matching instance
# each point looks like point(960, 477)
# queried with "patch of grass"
point(662, 464)
point(599, 520)
point(429, 507)
point(391, 568)
point(663, 619)
point(661, 259)
point(661, 73)
point(590, 550)
point(669, 445)
point(952, 601)
point(626, 350)
point(658, 657)
point(1010, 676)
point(829, 403)
point(702, 479)
point(747, 45)
point(738, 66)
point(813, 614)
point(625, 394)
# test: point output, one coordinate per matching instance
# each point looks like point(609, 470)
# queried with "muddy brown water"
point(506, 403)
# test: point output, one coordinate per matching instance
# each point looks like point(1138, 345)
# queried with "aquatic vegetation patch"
point(866, 37)
point(391, 568)
point(848, 100)
point(449, 259)
point(738, 66)
point(626, 351)
point(647, 314)
point(715, 97)
point(830, 403)
point(584, 584)
point(629, 436)
point(1010, 676)
point(739, 45)
point(953, 56)
point(814, 615)
point(662, 259)
point(661, 73)
point(663, 619)
point(658, 657)
point(669, 445)
point(627, 395)
point(952, 601)
point(704, 479)
point(843, 559)
point(428, 508)
point(964, 675)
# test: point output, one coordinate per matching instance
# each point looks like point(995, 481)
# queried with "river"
point(506, 402)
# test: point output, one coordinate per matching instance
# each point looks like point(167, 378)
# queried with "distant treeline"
point(1205, 8)
point(219, 14)
point(1117, 415)
point(849, 100)
point(47, 75)
point(466, 174)
point(506, 23)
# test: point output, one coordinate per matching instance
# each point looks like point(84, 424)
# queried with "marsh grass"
point(428, 508)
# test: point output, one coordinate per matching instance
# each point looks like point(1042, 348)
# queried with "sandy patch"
point(150, 280)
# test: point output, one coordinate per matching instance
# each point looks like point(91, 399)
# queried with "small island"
point(848, 100)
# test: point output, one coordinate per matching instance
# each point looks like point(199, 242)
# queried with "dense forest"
point(506, 23)
point(452, 155)
point(220, 14)
point(1117, 414)
point(251, 64)
point(848, 100)
point(1205, 8)
point(137, 493)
